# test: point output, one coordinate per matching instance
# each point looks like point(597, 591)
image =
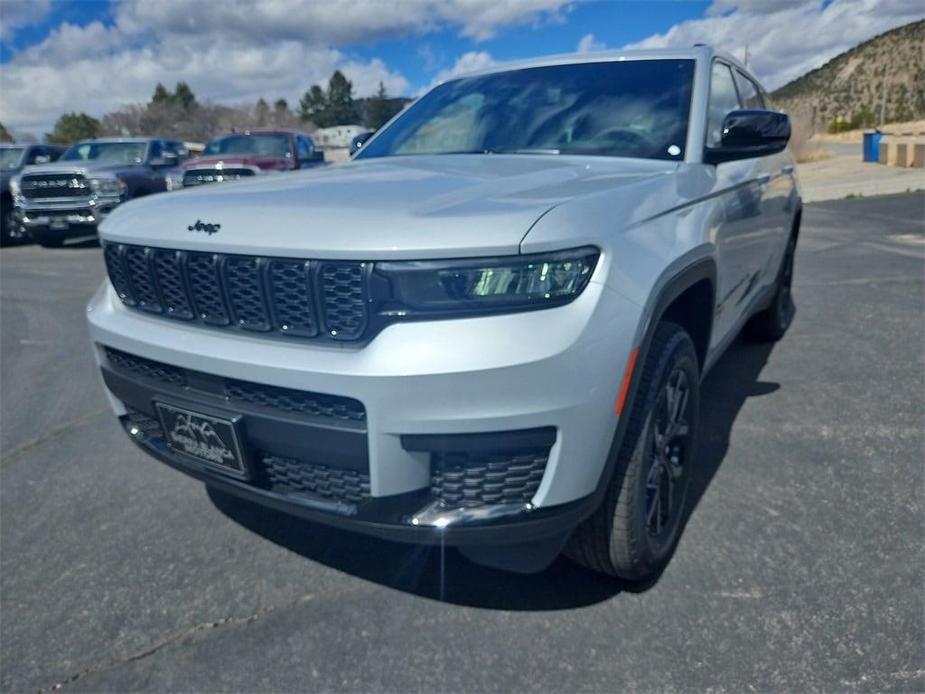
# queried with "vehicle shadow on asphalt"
point(445, 575)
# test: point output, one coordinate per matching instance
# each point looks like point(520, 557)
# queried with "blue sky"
point(101, 55)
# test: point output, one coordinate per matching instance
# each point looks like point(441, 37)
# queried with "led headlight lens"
point(107, 185)
point(489, 284)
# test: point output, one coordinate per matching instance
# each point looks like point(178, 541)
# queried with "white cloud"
point(229, 51)
point(588, 43)
point(16, 14)
point(787, 38)
point(334, 22)
point(466, 63)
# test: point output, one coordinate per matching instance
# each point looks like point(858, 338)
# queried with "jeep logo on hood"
point(203, 226)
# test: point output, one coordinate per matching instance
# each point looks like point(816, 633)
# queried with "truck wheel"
point(634, 532)
point(770, 324)
point(47, 240)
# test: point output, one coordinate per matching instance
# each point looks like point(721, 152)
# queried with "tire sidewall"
point(652, 553)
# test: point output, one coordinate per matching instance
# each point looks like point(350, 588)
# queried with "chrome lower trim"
point(438, 515)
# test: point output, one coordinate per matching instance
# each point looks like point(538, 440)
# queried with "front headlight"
point(174, 180)
point(14, 186)
point(486, 285)
point(107, 185)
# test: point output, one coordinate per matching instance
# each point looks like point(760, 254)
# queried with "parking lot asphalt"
point(801, 567)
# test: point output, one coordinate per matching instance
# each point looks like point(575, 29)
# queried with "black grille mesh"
point(202, 270)
point(470, 480)
point(146, 368)
point(280, 474)
point(275, 295)
point(246, 294)
point(297, 401)
point(170, 280)
point(291, 475)
point(344, 290)
point(269, 397)
point(292, 296)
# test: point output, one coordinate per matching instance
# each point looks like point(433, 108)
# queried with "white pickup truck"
point(488, 329)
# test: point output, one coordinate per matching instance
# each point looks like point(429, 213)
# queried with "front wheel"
point(636, 529)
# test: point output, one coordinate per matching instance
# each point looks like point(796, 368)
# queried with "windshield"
point(10, 156)
point(269, 145)
point(633, 108)
point(115, 152)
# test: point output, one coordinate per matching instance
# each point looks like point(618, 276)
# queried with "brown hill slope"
point(848, 90)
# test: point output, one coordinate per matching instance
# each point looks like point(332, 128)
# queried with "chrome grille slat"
point(40, 186)
point(285, 296)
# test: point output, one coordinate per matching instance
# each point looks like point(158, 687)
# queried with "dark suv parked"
point(13, 158)
point(71, 197)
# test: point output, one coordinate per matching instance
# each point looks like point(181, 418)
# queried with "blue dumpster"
point(872, 146)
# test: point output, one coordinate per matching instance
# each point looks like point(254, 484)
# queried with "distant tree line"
point(179, 114)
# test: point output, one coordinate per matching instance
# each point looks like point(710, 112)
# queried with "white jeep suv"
point(488, 329)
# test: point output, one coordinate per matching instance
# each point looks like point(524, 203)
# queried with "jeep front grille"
point(39, 186)
point(302, 298)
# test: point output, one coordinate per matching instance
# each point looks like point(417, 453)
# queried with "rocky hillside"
point(847, 91)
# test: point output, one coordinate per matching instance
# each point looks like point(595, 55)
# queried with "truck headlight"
point(108, 185)
point(14, 186)
point(486, 285)
point(174, 180)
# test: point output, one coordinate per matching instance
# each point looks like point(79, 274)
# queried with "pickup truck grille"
point(197, 177)
point(283, 296)
point(40, 186)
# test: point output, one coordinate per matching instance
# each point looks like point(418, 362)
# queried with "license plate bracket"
point(209, 439)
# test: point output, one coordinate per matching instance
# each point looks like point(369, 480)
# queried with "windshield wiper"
point(497, 150)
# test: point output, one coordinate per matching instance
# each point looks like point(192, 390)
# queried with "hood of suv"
point(261, 161)
point(396, 207)
point(88, 166)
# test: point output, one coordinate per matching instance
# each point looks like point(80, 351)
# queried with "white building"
point(337, 135)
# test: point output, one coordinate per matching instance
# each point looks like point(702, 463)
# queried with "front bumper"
point(557, 370)
point(81, 215)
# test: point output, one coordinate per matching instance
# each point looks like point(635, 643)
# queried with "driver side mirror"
point(166, 159)
point(749, 134)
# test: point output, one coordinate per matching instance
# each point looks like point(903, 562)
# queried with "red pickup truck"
point(250, 153)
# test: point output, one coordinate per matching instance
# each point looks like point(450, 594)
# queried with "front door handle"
point(764, 179)
point(787, 170)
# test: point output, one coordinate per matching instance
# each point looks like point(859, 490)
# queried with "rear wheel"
point(771, 324)
point(636, 529)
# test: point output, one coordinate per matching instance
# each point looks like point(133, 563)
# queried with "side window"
point(748, 90)
point(155, 150)
point(177, 148)
point(723, 99)
point(34, 153)
point(304, 148)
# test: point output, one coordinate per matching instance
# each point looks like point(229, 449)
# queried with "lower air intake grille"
point(463, 480)
point(146, 368)
point(302, 402)
point(291, 475)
